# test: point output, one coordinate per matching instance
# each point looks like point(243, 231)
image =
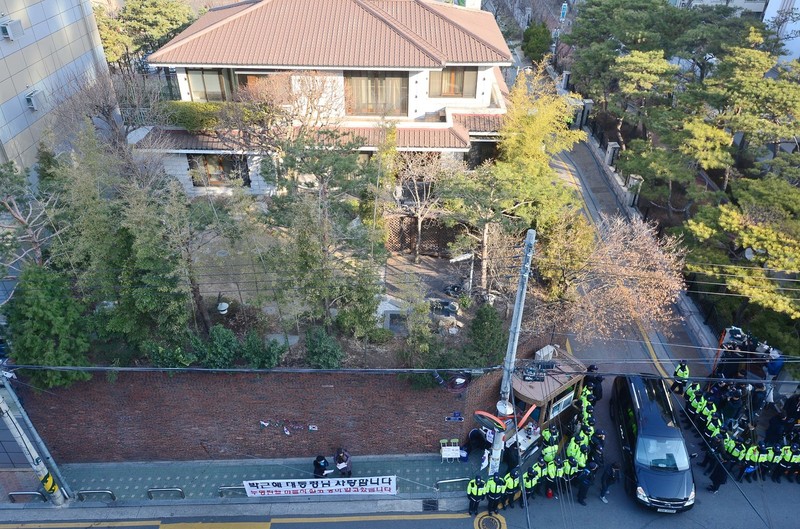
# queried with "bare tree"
point(418, 175)
point(628, 274)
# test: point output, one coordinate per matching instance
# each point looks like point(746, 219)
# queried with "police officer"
point(541, 471)
point(765, 455)
point(782, 461)
point(512, 486)
point(750, 464)
point(551, 477)
point(585, 480)
point(475, 493)
point(549, 452)
point(598, 439)
point(795, 461)
point(681, 376)
point(582, 457)
point(574, 445)
point(713, 426)
point(495, 489)
point(531, 479)
point(587, 412)
point(551, 436)
point(597, 382)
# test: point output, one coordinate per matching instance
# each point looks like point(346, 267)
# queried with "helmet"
point(591, 421)
point(715, 415)
point(585, 429)
point(598, 448)
point(478, 477)
point(762, 446)
point(584, 449)
point(590, 385)
point(553, 428)
point(478, 480)
point(600, 433)
point(592, 368)
point(530, 471)
point(683, 362)
point(572, 461)
point(590, 408)
point(559, 460)
point(541, 460)
point(578, 437)
point(496, 475)
point(515, 473)
point(795, 447)
point(592, 466)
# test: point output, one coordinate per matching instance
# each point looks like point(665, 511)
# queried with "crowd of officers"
point(556, 471)
point(732, 446)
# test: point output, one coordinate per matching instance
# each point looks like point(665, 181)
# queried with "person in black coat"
point(719, 476)
point(776, 429)
point(321, 467)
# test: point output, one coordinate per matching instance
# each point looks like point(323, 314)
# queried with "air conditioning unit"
point(11, 29)
point(34, 99)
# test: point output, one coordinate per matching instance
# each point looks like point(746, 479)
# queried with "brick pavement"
point(205, 416)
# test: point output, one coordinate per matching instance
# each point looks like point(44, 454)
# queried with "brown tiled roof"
point(413, 138)
point(181, 140)
point(479, 122)
point(401, 34)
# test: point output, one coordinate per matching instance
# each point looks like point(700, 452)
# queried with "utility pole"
point(504, 406)
point(56, 494)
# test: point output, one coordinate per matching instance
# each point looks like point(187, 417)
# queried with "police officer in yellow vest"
point(512, 487)
point(495, 489)
point(531, 478)
point(475, 493)
point(681, 376)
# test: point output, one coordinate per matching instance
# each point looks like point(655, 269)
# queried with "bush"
point(221, 349)
point(161, 355)
point(322, 351)
point(261, 355)
point(380, 336)
point(192, 116)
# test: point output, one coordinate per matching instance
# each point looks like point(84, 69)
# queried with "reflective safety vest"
point(784, 455)
point(712, 426)
point(560, 471)
point(698, 403)
point(581, 459)
point(573, 448)
point(531, 477)
point(691, 389)
point(729, 444)
point(549, 452)
point(765, 457)
point(552, 470)
point(752, 454)
point(738, 451)
point(709, 409)
point(512, 483)
point(495, 488)
point(586, 414)
point(569, 470)
point(795, 460)
point(682, 372)
point(474, 490)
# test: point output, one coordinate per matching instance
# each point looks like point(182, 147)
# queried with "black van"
point(656, 463)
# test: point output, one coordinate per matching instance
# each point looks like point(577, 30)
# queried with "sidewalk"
point(200, 481)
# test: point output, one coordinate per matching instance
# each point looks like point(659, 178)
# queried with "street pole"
point(49, 484)
point(504, 406)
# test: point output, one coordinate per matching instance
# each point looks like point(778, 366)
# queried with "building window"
point(376, 93)
point(218, 170)
point(209, 85)
point(454, 82)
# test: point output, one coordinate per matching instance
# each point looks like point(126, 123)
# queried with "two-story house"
point(430, 68)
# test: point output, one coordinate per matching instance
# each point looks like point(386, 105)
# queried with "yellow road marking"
point(58, 525)
point(652, 351)
point(569, 347)
point(217, 525)
point(370, 518)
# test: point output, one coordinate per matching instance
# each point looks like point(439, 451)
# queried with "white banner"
point(321, 486)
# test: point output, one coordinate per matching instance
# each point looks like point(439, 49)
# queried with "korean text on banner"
point(321, 486)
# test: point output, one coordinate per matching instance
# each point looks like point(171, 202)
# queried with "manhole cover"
point(489, 522)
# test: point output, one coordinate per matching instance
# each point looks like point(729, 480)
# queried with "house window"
point(454, 82)
point(376, 93)
point(218, 170)
point(209, 85)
